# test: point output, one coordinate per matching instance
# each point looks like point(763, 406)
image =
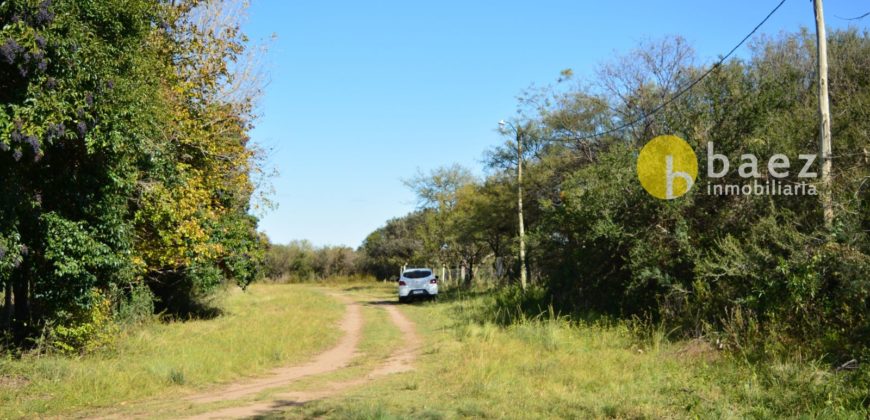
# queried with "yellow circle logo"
point(667, 167)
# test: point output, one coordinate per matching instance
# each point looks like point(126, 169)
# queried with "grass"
point(548, 367)
point(264, 327)
point(473, 365)
point(378, 338)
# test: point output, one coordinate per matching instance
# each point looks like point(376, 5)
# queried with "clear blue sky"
point(365, 93)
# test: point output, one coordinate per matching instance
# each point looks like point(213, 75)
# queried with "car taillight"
point(433, 281)
point(402, 283)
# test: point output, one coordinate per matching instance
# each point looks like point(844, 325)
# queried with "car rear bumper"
point(407, 291)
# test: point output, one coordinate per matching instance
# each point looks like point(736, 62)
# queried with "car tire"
point(403, 299)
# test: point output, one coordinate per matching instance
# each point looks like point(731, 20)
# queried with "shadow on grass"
point(194, 312)
point(177, 298)
point(383, 303)
point(276, 410)
point(357, 288)
point(397, 303)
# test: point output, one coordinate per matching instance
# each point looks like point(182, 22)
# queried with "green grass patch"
point(379, 338)
point(263, 327)
point(548, 367)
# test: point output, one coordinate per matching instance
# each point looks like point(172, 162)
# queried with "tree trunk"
point(469, 277)
point(21, 314)
point(520, 211)
point(7, 304)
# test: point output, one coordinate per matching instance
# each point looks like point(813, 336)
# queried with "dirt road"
point(338, 357)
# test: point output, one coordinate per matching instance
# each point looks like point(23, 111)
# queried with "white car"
point(417, 283)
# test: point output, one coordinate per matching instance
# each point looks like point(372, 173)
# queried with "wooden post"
point(824, 117)
point(520, 208)
point(522, 230)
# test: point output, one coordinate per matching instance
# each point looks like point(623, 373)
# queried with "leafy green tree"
point(122, 159)
point(398, 243)
point(72, 85)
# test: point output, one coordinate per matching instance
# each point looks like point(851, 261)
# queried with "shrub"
point(133, 305)
point(84, 331)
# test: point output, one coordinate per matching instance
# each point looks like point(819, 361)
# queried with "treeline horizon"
point(301, 261)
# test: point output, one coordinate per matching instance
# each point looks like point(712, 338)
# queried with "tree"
point(71, 116)
point(394, 245)
point(438, 192)
point(193, 199)
point(123, 159)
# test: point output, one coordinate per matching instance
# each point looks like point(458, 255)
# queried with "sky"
point(364, 94)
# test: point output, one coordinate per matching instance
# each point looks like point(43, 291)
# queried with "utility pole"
point(824, 116)
point(519, 138)
point(520, 208)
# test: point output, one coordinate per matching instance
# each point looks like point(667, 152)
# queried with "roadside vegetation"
point(124, 163)
point(552, 366)
point(757, 275)
point(264, 327)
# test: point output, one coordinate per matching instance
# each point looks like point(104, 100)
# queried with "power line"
point(855, 18)
point(689, 86)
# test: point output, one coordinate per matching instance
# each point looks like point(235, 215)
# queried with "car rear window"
point(417, 274)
